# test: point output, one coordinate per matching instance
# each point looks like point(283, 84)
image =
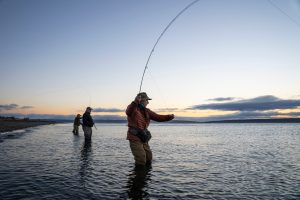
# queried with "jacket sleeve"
point(131, 108)
point(159, 118)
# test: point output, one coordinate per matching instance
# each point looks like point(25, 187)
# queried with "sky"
point(221, 59)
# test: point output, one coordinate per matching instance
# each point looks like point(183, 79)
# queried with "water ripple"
point(221, 161)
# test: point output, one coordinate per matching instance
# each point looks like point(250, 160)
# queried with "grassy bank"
point(11, 124)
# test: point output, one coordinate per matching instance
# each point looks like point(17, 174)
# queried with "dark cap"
point(144, 95)
point(89, 108)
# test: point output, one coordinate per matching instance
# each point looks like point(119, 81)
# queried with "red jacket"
point(140, 118)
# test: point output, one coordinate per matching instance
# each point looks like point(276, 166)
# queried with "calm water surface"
point(207, 161)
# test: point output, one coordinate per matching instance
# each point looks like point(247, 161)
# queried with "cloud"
point(108, 110)
point(8, 107)
point(222, 99)
point(294, 114)
point(261, 103)
point(27, 107)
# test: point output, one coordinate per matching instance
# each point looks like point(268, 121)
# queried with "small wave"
point(52, 163)
point(13, 134)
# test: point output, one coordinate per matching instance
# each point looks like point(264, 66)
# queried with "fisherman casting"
point(76, 124)
point(87, 123)
point(138, 117)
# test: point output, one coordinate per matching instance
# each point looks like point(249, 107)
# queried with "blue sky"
point(57, 57)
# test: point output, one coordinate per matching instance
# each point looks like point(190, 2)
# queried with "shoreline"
point(17, 124)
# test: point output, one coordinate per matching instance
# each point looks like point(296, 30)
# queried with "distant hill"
point(279, 120)
point(183, 122)
point(118, 121)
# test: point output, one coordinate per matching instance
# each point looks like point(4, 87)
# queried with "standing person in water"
point(139, 116)
point(76, 124)
point(87, 123)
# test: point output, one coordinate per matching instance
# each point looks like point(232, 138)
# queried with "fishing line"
point(283, 12)
point(160, 36)
point(158, 89)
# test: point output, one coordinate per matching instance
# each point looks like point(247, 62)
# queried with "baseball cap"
point(144, 95)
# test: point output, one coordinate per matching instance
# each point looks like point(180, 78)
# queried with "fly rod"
point(158, 39)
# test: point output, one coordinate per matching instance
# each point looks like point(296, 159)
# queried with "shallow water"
point(207, 161)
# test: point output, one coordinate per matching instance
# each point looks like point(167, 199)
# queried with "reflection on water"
point(86, 151)
point(138, 180)
point(216, 161)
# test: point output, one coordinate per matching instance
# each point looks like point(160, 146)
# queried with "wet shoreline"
point(12, 125)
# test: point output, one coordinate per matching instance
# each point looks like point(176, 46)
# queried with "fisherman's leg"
point(88, 133)
point(91, 132)
point(76, 129)
point(148, 153)
point(84, 130)
point(138, 152)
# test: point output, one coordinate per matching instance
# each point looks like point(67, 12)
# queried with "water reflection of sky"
point(86, 156)
point(190, 162)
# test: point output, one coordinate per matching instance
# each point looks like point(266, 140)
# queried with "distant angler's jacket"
point(140, 118)
point(77, 121)
point(87, 120)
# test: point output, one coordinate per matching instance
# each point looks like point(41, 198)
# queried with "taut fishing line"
point(160, 36)
point(182, 11)
point(285, 13)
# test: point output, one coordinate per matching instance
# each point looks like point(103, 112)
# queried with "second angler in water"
point(139, 116)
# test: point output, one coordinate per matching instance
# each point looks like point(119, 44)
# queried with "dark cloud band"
point(13, 106)
point(222, 99)
point(27, 107)
point(8, 107)
point(262, 103)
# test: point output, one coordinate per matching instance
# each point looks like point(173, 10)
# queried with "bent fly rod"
point(160, 36)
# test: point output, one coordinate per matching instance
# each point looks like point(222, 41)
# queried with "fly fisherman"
point(76, 124)
point(138, 117)
point(87, 123)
